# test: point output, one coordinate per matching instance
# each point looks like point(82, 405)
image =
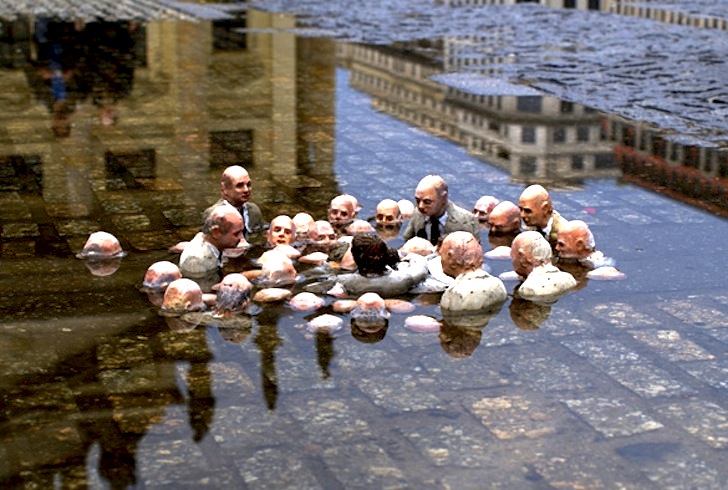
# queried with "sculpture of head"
point(504, 218)
point(223, 227)
point(431, 196)
point(235, 185)
point(388, 213)
point(528, 251)
point(406, 208)
point(182, 295)
point(341, 210)
point(575, 241)
point(372, 255)
point(460, 253)
point(233, 295)
point(160, 274)
point(302, 223)
point(277, 269)
point(417, 245)
point(359, 226)
point(483, 207)
point(282, 231)
point(535, 205)
point(322, 232)
point(101, 245)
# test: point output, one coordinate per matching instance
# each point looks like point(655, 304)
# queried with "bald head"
point(281, 231)
point(388, 212)
point(342, 210)
point(483, 207)
point(535, 205)
point(431, 196)
point(223, 227)
point(235, 185)
point(460, 252)
point(575, 240)
point(504, 218)
point(528, 251)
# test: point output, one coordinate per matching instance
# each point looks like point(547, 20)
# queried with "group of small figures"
point(226, 272)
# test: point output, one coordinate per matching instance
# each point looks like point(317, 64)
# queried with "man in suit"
point(537, 213)
point(436, 215)
point(235, 188)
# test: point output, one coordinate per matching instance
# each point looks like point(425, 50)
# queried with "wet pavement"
point(617, 385)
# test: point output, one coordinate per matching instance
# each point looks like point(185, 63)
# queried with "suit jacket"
point(255, 217)
point(556, 225)
point(458, 219)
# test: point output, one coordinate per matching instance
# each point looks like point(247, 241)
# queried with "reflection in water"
point(324, 352)
point(268, 341)
point(73, 61)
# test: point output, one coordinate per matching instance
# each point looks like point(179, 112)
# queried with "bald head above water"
point(504, 218)
point(431, 196)
point(535, 205)
point(235, 185)
point(575, 240)
point(460, 253)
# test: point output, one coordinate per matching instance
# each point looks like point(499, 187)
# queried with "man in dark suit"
point(235, 187)
point(435, 215)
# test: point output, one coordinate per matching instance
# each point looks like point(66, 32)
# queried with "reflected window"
point(231, 148)
point(129, 170)
point(577, 162)
point(229, 34)
point(594, 5)
point(528, 165)
point(569, 4)
point(528, 134)
point(604, 161)
point(21, 173)
point(582, 133)
point(529, 103)
point(559, 135)
point(567, 107)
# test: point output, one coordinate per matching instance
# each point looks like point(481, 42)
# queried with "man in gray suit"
point(436, 216)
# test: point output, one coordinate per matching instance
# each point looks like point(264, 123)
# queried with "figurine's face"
point(388, 213)
point(500, 223)
point(341, 211)
point(483, 207)
point(281, 231)
point(570, 246)
point(301, 223)
point(322, 232)
point(522, 260)
point(535, 211)
point(429, 201)
point(238, 187)
point(230, 234)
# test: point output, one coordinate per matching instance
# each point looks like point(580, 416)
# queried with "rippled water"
point(616, 384)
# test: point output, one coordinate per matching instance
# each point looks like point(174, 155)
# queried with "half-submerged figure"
point(379, 269)
point(202, 256)
point(436, 215)
point(474, 289)
point(102, 253)
point(235, 189)
point(576, 245)
point(233, 296)
point(544, 282)
point(538, 214)
point(482, 208)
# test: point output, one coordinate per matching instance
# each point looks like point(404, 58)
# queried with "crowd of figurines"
point(223, 272)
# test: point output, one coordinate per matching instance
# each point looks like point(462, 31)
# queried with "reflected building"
point(692, 173)
point(536, 138)
point(205, 95)
point(603, 5)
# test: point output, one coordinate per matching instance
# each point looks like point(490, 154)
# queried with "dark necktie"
point(434, 230)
